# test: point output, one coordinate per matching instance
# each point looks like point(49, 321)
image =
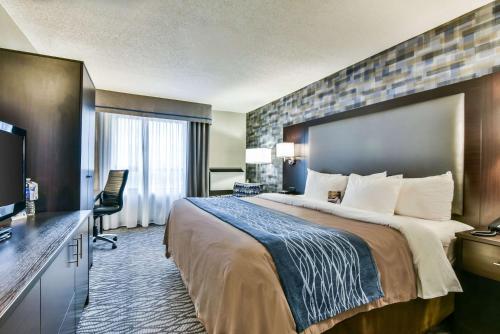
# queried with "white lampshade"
point(258, 156)
point(285, 150)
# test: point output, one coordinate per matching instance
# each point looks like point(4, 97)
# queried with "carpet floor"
point(135, 289)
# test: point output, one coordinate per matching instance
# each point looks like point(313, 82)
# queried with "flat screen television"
point(12, 170)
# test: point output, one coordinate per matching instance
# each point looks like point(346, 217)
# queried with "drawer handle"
point(81, 246)
point(77, 245)
point(496, 263)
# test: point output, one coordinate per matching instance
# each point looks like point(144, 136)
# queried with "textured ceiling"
point(236, 55)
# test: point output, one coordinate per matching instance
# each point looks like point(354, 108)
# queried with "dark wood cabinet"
point(55, 302)
point(65, 285)
point(477, 308)
point(58, 290)
point(26, 316)
point(82, 269)
point(68, 326)
point(54, 100)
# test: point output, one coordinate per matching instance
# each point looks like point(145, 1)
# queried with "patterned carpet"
point(135, 289)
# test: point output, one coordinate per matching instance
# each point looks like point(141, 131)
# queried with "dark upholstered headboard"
point(418, 135)
point(416, 140)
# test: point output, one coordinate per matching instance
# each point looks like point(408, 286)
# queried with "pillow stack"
point(426, 198)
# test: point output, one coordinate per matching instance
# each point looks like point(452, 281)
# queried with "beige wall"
point(227, 139)
point(11, 37)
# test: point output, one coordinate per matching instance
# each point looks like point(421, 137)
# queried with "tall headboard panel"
point(453, 127)
point(416, 140)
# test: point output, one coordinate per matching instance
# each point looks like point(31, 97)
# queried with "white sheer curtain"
point(155, 153)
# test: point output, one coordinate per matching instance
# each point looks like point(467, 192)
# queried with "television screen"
point(12, 174)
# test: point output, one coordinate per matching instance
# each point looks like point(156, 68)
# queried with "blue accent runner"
point(323, 271)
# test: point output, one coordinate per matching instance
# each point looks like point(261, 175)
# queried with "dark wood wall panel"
point(482, 143)
point(43, 95)
point(490, 152)
point(472, 152)
point(88, 138)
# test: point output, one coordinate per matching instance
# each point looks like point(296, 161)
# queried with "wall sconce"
point(287, 152)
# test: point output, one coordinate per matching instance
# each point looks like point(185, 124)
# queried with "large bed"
point(235, 279)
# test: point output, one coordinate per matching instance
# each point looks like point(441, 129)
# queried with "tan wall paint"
point(11, 37)
point(227, 139)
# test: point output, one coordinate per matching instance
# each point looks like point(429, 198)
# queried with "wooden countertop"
point(34, 243)
point(487, 240)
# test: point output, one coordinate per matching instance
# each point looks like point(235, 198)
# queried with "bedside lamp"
point(258, 156)
point(287, 152)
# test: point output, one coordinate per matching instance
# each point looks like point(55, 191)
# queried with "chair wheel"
point(115, 238)
point(114, 246)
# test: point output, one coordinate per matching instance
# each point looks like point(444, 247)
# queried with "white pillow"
point(427, 198)
point(376, 175)
point(372, 193)
point(319, 184)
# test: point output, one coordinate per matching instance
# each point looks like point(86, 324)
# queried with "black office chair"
point(110, 202)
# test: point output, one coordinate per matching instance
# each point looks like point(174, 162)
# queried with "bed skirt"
point(415, 316)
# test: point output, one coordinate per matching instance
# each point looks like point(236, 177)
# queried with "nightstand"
point(477, 309)
point(287, 192)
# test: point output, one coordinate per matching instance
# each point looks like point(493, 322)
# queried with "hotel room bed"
point(233, 281)
point(237, 285)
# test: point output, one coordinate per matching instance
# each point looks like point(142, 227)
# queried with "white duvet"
point(426, 239)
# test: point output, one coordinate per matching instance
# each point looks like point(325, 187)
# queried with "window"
point(154, 152)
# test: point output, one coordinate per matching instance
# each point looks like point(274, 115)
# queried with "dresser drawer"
point(481, 259)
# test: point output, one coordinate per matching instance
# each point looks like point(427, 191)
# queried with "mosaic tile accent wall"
point(462, 49)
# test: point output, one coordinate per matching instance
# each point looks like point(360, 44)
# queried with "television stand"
point(44, 273)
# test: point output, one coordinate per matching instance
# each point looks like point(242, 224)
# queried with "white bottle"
point(31, 196)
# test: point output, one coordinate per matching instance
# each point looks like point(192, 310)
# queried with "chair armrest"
point(98, 197)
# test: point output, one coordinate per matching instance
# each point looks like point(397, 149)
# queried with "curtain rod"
point(134, 112)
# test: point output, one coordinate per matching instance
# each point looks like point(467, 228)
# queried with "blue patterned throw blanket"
point(323, 271)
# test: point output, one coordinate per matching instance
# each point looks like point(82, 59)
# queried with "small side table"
point(477, 309)
point(287, 192)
